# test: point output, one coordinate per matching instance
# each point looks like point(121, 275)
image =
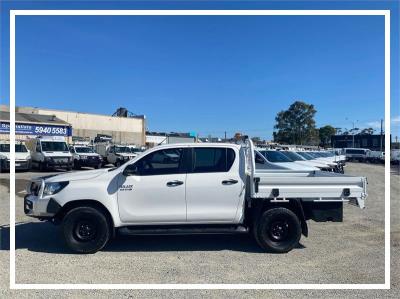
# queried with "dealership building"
point(374, 142)
point(33, 121)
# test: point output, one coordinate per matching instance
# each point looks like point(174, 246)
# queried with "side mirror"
point(130, 170)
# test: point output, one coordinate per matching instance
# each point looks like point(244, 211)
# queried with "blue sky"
point(204, 74)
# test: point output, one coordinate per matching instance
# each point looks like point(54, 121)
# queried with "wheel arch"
point(295, 205)
point(85, 203)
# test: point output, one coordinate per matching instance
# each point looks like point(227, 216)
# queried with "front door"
point(152, 190)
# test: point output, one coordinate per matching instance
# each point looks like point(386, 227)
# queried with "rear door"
point(213, 185)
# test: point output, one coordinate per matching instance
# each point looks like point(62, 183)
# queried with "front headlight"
point(53, 188)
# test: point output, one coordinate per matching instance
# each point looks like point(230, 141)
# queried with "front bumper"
point(59, 163)
point(19, 164)
point(90, 162)
point(40, 207)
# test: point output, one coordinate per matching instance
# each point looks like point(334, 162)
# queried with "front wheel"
point(86, 229)
point(278, 230)
point(41, 166)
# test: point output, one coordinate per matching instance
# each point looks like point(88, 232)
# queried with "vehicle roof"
point(8, 142)
point(175, 145)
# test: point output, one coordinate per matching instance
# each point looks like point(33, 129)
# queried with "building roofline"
point(69, 111)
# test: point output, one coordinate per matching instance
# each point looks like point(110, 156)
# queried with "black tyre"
point(98, 166)
point(86, 229)
point(41, 166)
point(277, 230)
point(76, 165)
point(118, 163)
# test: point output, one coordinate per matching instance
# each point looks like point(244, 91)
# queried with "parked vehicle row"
point(44, 153)
point(301, 160)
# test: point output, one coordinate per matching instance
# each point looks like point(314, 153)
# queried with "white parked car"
point(114, 153)
point(356, 154)
point(50, 152)
point(375, 157)
point(22, 156)
point(190, 189)
point(85, 156)
point(320, 164)
point(395, 156)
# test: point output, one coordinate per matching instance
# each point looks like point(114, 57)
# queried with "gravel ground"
point(348, 252)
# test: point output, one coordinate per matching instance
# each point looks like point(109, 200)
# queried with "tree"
point(325, 134)
point(296, 125)
point(367, 131)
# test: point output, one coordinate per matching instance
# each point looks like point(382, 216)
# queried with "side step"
point(182, 229)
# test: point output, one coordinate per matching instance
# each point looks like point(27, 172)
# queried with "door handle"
point(229, 182)
point(174, 183)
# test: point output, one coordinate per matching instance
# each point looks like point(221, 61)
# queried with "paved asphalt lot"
point(348, 252)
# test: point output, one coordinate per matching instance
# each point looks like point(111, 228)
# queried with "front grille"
point(34, 188)
point(60, 160)
point(21, 164)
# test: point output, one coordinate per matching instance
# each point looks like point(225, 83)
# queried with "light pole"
point(354, 124)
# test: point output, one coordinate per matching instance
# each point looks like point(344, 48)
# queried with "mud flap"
point(299, 207)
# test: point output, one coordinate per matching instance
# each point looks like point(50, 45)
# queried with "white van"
point(50, 152)
point(22, 156)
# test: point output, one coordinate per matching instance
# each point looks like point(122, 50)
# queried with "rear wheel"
point(86, 229)
point(76, 165)
point(278, 230)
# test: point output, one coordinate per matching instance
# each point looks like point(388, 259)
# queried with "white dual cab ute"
point(190, 189)
point(114, 153)
point(84, 156)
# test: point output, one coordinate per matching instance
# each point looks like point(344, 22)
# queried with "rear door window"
point(209, 159)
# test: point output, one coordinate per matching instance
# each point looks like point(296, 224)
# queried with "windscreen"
point(19, 148)
point(84, 150)
point(135, 150)
point(275, 157)
point(293, 156)
point(313, 155)
point(52, 146)
point(122, 149)
point(355, 151)
point(306, 156)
